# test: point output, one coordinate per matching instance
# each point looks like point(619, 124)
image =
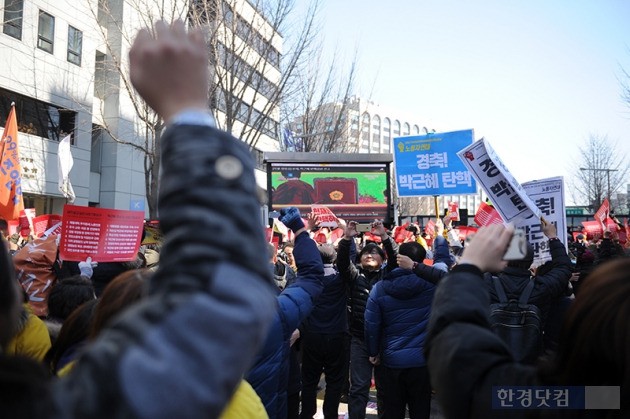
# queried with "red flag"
point(430, 228)
point(453, 211)
point(592, 229)
point(486, 215)
point(465, 231)
point(11, 201)
point(603, 211)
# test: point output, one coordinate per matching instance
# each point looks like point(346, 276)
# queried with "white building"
point(365, 127)
point(64, 65)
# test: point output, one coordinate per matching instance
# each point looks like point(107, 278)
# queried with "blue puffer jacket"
point(270, 374)
point(396, 319)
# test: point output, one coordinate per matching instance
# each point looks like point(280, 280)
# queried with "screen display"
point(352, 191)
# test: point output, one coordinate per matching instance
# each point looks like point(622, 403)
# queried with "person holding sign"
point(475, 375)
point(184, 349)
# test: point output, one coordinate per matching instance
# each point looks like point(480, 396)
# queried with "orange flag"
point(11, 201)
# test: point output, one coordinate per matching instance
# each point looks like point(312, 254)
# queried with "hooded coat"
point(396, 319)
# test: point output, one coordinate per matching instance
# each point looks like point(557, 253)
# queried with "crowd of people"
point(228, 325)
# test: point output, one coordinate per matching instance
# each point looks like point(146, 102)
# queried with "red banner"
point(430, 228)
point(603, 211)
point(465, 231)
point(453, 211)
point(105, 235)
point(401, 235)
point(486, 215)
point(44, 222)
point(325, 216)
point(592, 229)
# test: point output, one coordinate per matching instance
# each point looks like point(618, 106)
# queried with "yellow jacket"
point(32, 340)
point(245, 404)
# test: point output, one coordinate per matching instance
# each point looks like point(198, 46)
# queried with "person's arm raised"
point(182, 351)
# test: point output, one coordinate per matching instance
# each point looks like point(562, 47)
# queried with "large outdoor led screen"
point(352, 191)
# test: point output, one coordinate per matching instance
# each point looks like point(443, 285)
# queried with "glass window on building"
point(46, 32)
point(75, 43)
point(365, 124)
point(98, 133)
point(396, 127)
point(12, 23)
point(39, 118)
point(387, 125)
point(406, 129)
point(416, 130)
point(377, 123)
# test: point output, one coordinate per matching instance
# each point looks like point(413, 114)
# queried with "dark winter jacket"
point(182, 351)
point(547, 288)
point(607, 250)
point(429, 273)
point(464, 356)
point(442, 257)
point(270, 374)
point(329, 314)
point(359, 282)
point(396, 319)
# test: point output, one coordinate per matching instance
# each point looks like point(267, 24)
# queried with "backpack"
point(518, 323)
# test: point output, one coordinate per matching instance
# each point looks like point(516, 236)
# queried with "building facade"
point(64, 65)
point(362, 126)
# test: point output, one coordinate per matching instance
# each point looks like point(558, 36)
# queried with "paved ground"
point(371, 410)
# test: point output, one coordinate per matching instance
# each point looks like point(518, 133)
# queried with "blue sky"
point(535, 77)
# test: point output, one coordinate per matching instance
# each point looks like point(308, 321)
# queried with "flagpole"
point(437, 208)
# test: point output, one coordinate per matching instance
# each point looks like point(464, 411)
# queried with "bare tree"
point(600, 172)
point(320, 108)
point(252, 67)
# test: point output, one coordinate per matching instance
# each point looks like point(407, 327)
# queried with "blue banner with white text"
point(428, 164)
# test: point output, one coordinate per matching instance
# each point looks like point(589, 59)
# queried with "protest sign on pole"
point(507, 195)
point(428, 165)
point(486, 215)
point(548, 195)
point(105, 235)
point(603, 211)
point(453, 211)
point(325, 216)
point(43, 223)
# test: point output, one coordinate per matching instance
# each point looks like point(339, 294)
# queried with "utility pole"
point(607, 177)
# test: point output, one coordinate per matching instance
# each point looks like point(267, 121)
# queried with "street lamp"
point(607, 176)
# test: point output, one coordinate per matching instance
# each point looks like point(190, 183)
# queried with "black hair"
point(68, 294)
point(372, 246)
point(415, 251)
point(75, 330)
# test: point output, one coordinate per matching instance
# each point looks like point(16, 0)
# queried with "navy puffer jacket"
point(396, 319)
point(270, 374)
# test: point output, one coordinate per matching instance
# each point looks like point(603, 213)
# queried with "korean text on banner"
point(548, 195)
point(105, 235)
point(504, 191)
point(453, 211)
point(486, 215)
point(428, 165)
point(11, 200)
point(325, 216)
